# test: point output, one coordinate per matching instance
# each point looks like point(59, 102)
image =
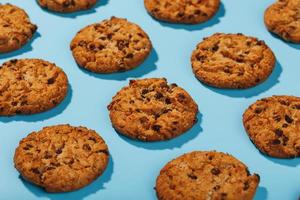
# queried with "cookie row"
point(64, 158)
point(221, 60)
point(148, 109)
point(281, 18)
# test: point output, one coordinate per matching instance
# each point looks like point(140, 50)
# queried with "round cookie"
point(61, 158)
point(283, 19)
point(29, 86)
point(111, 46)
point(152, 110)
point(182, 11)
point(206, 175)
point(232, 61)
point(67, 6)
point(273, 125)
point(15, 28)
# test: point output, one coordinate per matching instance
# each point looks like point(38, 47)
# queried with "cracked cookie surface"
point(206, 175)
point(232, 61)
point(15, 28)
point(61, 158)
point(152, 110)
point(283, 19)
point(182, 11)
point(112, 45)
point(29, 86)
point(67, 6)
point(273, 125)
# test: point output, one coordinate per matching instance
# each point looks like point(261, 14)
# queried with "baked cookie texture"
point(283, 19)
point(206, 175)
point(61, 158)
point(112, 45)
point(152, 110)
point(67, 6)
point(232, 61)
point(29, 86)
point(182, 11)
point(273, 125)
point(16, 28)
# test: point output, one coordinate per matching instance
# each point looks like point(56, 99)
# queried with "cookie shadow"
point(77, 13)
point(26, 48)
point(44, 115)
point(261, 194)
point(169, 144)
point(272, 80)
point(291, 162)
point(291, 44)
point(80, 194)
point(148, 66)
point(196, 27)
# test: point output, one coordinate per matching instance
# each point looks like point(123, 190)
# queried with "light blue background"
point(134, 165)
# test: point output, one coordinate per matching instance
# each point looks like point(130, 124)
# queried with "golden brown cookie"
point(182, 11)
point(152, 110)
point(15, 28)
point(29, 86)
point(206, 175)
point(61, 158)
point(273, 125)
point(111, 46)
point(283, 19)
point(67, 6)
point(232, 61)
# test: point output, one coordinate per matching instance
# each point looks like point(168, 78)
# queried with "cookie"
point(29, 86)
point(112, 45)
point(152, 110)
point(273, 125)
point(67, 6)
point(182, 11)
point(232, 61)
point(206, 175)
point(61, 158)
point(15, 28)
point(283, 19)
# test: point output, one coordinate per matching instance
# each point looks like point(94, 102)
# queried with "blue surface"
point(134, 165)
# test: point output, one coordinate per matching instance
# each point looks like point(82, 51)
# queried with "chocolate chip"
point(246, 185)
point(284, 125)
point(158, 95)
point(180, 14)
point(14, 103)
point(51, 80)
point(276, 142)
point(86, 147)
point(130, 55)
point(278, 132)
point(200, 58)
point(215, 171)
point(258, 110)
point(35, 170)
point(168, 101)
point(121, 44)
point(197, 12)
point(277, 118)
point(92, 139)
point(145, 91)
point(192, 176)
point(58, 151)
point(47, 155)
point(215, 48)
point(297, 107)
point(217, 187)
point(156, 127)
point(14, 61)
point(288, 119)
